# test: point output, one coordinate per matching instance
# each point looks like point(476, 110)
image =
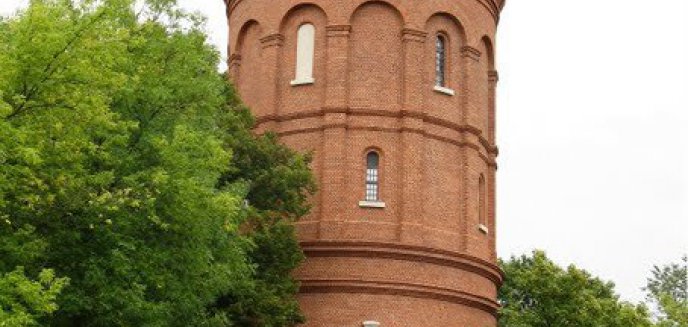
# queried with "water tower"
point(396, 99)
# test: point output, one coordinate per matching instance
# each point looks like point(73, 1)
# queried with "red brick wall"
point(422, 259)
point(303, 98)
point(375, 57)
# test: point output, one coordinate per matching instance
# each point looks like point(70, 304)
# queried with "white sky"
point(593, 131)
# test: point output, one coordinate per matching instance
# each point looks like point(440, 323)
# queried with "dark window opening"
point(440, 61)
point(372, 177)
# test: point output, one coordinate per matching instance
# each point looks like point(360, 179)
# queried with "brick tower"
point(396, 99)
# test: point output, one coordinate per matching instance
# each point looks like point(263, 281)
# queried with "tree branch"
point(51, 67)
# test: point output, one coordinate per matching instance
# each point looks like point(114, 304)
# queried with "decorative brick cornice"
point(362, 112)
point(272, 40)
point(477, 147)
point(422, 291)
point(494, 7)
point(471, 52)
point(338, 30)
point(413, 253)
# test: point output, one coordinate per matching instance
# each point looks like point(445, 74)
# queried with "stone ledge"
point(484, 229)
point(425, 117)
point(303, 81)
point(395, 288)
point(444, 90)
point(372, 204)
point(337, 248)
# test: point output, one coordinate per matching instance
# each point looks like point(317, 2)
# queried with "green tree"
point(125, 162)
point(23, 301)
point(279, 185)
point(668, 290)
point(538, 293)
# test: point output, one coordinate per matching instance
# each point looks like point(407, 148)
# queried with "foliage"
point(668, 290)
point(279, 184)
point(126, 160)
point(23, 300)
point(537, 292)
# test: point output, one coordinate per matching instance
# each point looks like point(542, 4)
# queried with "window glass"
point(440, 61)
point(481, 201)
point(372, 176)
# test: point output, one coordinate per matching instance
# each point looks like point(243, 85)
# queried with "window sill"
point(303, 81)
point(483, 229)
point(372, 204)
point(444, 90)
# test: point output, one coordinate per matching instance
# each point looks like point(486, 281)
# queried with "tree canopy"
point(538, 293)
point(132, 192)
point(667, 289)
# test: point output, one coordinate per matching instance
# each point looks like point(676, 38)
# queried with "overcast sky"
point(593, 131)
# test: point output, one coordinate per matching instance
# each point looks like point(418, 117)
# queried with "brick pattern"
point(421, 260)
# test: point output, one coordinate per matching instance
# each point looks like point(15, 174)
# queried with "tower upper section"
point(357, 60)
point(413, 81)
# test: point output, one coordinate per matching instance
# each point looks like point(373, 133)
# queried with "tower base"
point(395, 285)
point(351, 310)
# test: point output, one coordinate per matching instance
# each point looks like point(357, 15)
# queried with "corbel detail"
point(338, 30)
point(493, 76)
point(272, 40)
point(235, 59)
point(414, 35)
point(471, 52)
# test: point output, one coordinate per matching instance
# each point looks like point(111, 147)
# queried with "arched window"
point(440, 61)
point(482, 214)
point(305, 53)
point(372, 177)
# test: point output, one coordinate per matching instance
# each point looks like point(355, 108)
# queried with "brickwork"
point(423, 258)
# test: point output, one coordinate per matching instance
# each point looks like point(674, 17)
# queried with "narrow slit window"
point(305, 54)
point(372, 177)
point(440, 61)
